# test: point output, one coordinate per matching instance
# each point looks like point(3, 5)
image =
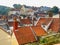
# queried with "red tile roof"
point(43, 20)
point(24, 35)
point(10, 23)
point(55, 25)
point(39, 30)
point(26, 21)
point(23, 21)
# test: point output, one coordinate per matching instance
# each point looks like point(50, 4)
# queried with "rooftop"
point(39, 31)
point(24, 35)
point(26, 21)
point(28, 34)
point(54, 26)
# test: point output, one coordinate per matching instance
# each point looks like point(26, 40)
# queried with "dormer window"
point(43, 24)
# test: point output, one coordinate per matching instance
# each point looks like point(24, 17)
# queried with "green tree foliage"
point(50, 40)
point(17, 6)
point(50, 13)
point(43, 40)
point(4, 10)
point(55, 9)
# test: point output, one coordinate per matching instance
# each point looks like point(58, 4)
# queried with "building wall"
point(13, 12)
point(13, 40)
point(5, 39)
point(22, 10)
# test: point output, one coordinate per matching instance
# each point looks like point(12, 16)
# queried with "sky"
point(37, 3)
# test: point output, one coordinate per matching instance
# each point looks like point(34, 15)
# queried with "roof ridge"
point(33, 33)
point(45, 27)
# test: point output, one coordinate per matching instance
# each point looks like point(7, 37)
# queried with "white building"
point(26, 11)
point(14, 12)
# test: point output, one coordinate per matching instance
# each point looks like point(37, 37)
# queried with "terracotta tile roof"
point(26, 21)
point(23, 21)
point(55, 25)
point(39, 31)
point(10, 23)
point(43, 20)
point(24, 35)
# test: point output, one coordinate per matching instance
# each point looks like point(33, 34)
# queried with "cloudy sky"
point(38, 3)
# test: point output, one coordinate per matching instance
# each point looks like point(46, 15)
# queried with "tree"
point(17, 6)
point(55, 9)
point(50, 13)
point(4, 10)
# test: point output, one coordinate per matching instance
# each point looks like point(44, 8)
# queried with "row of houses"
point(30, 34)
point(41, 11)
point(21, 30)
point(22, 10)
point(23, 35)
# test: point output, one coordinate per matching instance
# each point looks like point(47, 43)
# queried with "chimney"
point(50, 14)
point(15, 24)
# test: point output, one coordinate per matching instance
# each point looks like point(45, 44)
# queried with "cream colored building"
point(26, 11)
point(14, 12)
point(22, 10)
point(13, 40)
point(6, 39)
